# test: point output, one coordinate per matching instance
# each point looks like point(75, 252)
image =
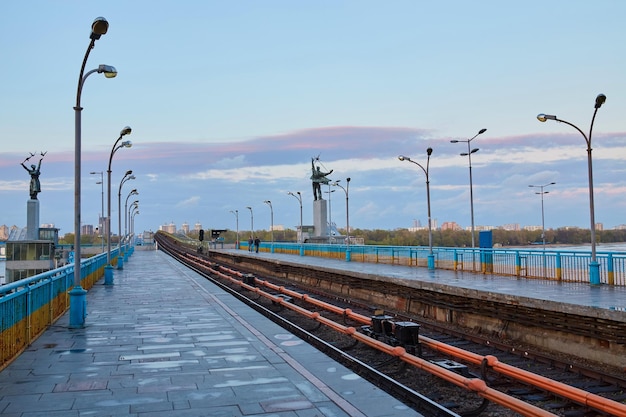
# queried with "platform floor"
point(576, 295)
point(163, 341)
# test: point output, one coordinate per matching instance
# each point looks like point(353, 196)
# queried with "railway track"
point(436, 370)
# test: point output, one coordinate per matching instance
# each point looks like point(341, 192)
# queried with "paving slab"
point(163, 341)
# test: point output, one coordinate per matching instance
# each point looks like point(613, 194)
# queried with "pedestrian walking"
point(250, 243)
point(257, 242)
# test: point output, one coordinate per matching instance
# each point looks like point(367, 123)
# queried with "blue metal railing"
point(560, 265)
point(30, 305)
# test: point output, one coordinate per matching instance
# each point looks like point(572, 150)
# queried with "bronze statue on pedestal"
point(34, 171)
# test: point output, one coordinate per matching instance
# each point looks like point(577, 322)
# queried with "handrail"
point(28, 306)
point(560, 264)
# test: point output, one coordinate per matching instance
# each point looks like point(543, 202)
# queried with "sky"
point(229, 102)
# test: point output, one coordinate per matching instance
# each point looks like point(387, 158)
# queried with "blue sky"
point(229, 101)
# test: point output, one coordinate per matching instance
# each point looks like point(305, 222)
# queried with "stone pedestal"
point(320, 217)
point(32, 219)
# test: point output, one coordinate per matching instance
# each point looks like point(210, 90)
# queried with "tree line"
point(446, 238)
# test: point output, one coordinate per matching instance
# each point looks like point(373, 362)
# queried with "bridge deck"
point(163, 341)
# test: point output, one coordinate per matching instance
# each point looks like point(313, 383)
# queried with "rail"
point(30, 305)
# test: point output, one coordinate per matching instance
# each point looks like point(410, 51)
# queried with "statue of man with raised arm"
point(318, 177)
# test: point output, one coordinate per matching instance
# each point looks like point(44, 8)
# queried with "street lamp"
point(133, 219)
point(330, 217)
point(108, 270)
point(251, 226)
point(78, 296)
point(236, 213)
point(100, 222)
point(133, 207)
point(132, 192)
point(120, 256)
point(299, 198)
point(345, 190)
point(543, 225)
point(431, 256)
point(127, 215)
point(269, 203)
point(594, 266)
point(469, 156)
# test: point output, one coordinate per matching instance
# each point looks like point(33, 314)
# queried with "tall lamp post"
point(120, 256)
point(251, 225)
point(594, 266)
point(345, 190)
point(269, 203)
point(298, 196)
point(108, 269)
point(236, 213)
point(127, 215)
point(469, 156)
point(78, 296)
point(431, 256)
point(330, 217)
point(100, 222)
point(133, 207)
point(132, 192)
point(543, 224)
point(135, 212)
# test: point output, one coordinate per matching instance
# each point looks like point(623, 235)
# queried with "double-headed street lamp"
point(127, 216)
point(330, 217)
point(135, 212)
point(431, 256)
point(132, 192)
point(298, 196)
point(345, 190)
point(543, 224)
point(236, 213)
point(594, 266)
point(100, 222)
point(269, 203)
point(469, 156)
point(108, 270)
point(120, 256)
point(78, 296)
point(134, 207)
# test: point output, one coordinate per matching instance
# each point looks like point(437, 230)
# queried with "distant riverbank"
point(600, 247)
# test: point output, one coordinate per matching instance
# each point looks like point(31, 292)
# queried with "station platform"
point(601, 301)
point(163, 341)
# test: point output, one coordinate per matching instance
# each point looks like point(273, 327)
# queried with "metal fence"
point(30, 305)
point(558, 265)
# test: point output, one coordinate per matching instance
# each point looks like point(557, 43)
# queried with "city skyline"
point(228, 103)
